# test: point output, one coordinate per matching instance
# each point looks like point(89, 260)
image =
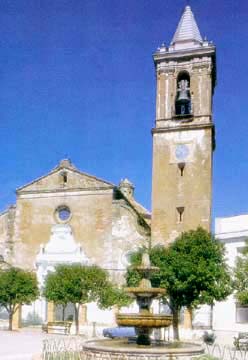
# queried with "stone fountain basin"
point(120, 349)
point(144, 320)
point(145, 292)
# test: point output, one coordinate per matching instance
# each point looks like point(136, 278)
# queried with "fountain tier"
point(143, 320)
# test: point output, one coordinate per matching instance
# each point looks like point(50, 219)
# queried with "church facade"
point(67, 216)
point(105, 219)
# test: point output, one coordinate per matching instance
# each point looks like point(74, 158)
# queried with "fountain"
point(144, 322)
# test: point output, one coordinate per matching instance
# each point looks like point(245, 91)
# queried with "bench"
point(57, 327)
point(241, 341)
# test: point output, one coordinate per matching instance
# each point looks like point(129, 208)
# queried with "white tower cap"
point(187, 34)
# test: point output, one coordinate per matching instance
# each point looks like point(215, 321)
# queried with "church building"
point(104, 220)
point(68, 216)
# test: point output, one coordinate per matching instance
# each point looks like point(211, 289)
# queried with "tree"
point(111, 296)
point(79, 285)
point(192, 270)
point(241, 277)
point(54, 291)
point(17, 287)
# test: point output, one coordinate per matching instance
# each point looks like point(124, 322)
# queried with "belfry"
point(183, 136)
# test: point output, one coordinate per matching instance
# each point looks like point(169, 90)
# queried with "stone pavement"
point(222, 337)
point(25, 344)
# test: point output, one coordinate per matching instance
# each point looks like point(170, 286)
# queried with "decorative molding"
point(63, 192)
point(182, 128)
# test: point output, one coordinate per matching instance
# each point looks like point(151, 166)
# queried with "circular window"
point(63, 214)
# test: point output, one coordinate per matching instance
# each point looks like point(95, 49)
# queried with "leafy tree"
point(54, 291)
point(241, 277)
point(79, 285)
point(192, 270)
point(17, 287)
point(114, 296)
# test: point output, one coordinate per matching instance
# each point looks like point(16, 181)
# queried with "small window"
point(64, 177)
point(180, 211)
point(181, 167)
point(63, 213)
point(241, 313)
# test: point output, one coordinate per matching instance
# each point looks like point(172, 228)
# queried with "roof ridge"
point(58, 168)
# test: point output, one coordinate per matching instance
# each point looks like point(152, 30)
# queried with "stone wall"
point(182, 182)
point(172, 190)
point(90, 221)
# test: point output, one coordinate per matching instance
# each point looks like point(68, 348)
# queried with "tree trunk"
point(11, 310)
point(190, 310)
point(211, 315)
point(76, 318)
point(175, 323)
point(10, 320)
point(63, 312)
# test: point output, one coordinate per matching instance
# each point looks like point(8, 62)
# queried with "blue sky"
point(77, 80)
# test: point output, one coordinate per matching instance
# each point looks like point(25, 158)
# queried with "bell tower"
point(183, 136)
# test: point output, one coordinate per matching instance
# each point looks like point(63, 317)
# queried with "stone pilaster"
point(187, 319)
point(16, 323)
point(82, 315)
point(50, 311)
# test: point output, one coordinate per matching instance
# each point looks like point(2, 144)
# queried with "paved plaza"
point(26, 344)
point(20, 345)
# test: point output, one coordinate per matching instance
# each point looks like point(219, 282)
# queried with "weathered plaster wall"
point(90, 221)
point(189, 189)
point(127, 236)
point(171, 190)
point(7, 223)
point(200, 72)
point(106, 226)
point(3, 231)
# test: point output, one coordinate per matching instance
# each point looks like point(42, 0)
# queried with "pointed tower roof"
point(187, 34)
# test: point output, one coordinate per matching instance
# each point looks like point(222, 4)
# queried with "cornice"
point(185, 127)
point(63, 190)
point(184, 54)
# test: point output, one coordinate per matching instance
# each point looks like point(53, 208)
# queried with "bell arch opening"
point(183, 98)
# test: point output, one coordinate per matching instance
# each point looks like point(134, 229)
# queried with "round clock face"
point(182, 151)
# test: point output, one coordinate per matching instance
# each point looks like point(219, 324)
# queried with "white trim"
point(65, 193)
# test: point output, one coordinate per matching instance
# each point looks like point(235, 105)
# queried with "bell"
point(183, 103)
point(183, 91)
point(183, 95)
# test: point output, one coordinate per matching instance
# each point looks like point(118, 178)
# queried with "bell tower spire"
point(183, 136)
point(187, 34)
